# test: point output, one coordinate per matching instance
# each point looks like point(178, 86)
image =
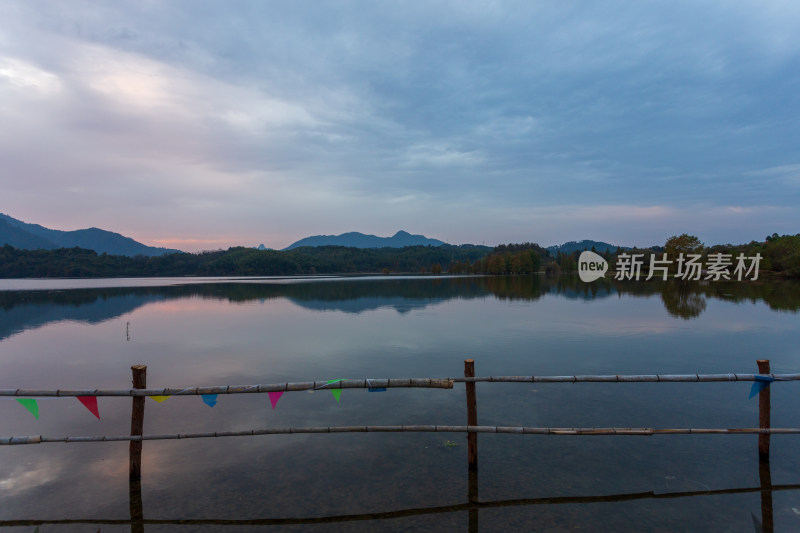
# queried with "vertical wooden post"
point(765, 476)
point(136, 507)
point(137, 421)
point(472, 414)
point(764, 473)
point(473, 501)
point(763, 413)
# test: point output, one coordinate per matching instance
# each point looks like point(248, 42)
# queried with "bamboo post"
point(137, 421)
point(472, 415)
point(763, 413)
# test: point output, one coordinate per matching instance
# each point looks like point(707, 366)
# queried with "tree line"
point(780, 257)
point(238, 261)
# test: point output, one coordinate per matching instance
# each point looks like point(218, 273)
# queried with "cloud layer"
point(203, 125)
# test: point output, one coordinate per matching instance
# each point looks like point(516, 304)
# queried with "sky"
point(201, 125)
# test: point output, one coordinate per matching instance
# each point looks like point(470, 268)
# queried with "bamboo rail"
point(432, 383)
point(620, 378)
point(641, 432)
point(426, 383)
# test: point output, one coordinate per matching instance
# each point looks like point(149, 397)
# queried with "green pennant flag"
point(31, 405)
point(337, 393)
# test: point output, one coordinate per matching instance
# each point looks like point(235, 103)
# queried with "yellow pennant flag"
point(160, 399)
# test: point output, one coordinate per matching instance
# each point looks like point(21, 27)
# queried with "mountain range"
point(354, 239)
point(33, 236)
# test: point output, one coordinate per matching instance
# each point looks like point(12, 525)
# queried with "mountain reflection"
point(22, 310)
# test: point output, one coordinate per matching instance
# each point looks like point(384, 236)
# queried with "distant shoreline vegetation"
point(780, 258)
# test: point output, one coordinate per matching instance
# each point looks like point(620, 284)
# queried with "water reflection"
point(267, 332)
point(473, 505)
point(682, 300)
point(23, 310)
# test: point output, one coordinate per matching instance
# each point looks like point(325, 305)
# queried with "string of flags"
point(90, 402)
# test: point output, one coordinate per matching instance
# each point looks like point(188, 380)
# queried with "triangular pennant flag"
point(31, 405)
point(757, 387)
point(90, 402)
point(274, 397)
point(761, 383)
point(159, 399)
point(210, 399)
point(337, 393)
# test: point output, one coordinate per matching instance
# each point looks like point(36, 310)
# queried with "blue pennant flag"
point(210, 399)
point(761, 383)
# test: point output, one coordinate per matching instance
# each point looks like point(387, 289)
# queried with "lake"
point(86, 334)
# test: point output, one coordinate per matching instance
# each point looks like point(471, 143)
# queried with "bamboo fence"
point(139, 391)
point(431, 383)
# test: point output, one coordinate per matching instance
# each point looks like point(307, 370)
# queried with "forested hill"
point(354, 239)
point(575, 246)
point(79, 262)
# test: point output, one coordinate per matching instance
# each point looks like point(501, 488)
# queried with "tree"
point(682, 244)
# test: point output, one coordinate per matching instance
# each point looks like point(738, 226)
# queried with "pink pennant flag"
point(274, 397)
point(90, 402)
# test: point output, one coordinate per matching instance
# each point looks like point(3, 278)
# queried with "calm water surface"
point(201, 332)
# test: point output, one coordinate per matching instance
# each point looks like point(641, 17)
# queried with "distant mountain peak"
point(355, 239)
point(35, 237)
